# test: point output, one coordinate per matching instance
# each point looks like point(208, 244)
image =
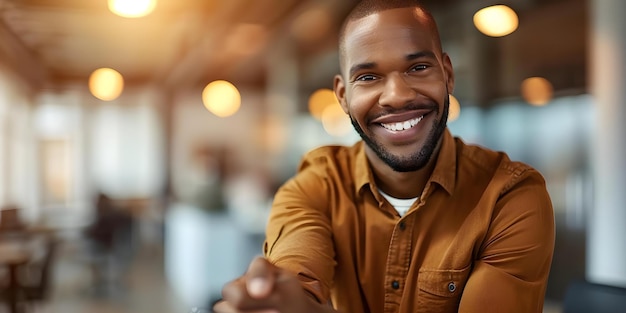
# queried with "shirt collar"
point(445, 169)
point(362, 171)
point(444, 173)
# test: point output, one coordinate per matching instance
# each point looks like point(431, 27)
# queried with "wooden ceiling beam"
point(15, 56)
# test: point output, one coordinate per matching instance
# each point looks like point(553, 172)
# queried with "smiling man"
point(409, 219)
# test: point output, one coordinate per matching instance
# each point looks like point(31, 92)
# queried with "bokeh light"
point(320, 100)
point(221, 98)
point(496, 21)
point(106, 84)
point(132, 8)
point(455, 109)
point(335, 121)
point(537, 91)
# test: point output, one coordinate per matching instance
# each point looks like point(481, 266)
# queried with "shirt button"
point(451, 287)
point(402, 226)
point(395, 284)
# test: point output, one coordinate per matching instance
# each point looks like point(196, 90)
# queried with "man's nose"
point(396, 91)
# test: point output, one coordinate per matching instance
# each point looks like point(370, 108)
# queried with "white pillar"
point(283, 96)
point(606, 255)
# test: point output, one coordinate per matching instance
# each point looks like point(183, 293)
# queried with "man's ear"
point(448, 69)
point(339, 87)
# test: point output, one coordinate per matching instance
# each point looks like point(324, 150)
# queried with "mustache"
point(413, 106)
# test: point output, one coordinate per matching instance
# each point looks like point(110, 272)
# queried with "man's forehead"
point(403, 27)
point(408, 16)
point(387, 22)
point(361, 34)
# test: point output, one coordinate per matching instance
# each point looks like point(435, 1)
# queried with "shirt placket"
point(398, 261)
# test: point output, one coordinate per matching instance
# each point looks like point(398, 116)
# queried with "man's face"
point(394, 85)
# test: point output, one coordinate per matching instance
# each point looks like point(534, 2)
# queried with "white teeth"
point(402, 125)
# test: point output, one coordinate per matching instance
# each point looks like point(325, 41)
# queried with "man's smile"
point(399, 126)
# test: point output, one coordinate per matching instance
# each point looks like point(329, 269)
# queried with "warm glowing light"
point(455, 109)
point(132, 8)
point(320, 100)
point(537, 91)
point(496, 21)
point(221, 98)
point(336, 121)
point(106, 84)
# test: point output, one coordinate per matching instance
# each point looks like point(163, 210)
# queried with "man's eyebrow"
point(409, 57)
point(420, 54)
point(361, 66)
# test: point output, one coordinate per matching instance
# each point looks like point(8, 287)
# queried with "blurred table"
point(13, 254)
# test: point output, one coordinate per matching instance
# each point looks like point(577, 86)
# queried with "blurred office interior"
point(154, 197)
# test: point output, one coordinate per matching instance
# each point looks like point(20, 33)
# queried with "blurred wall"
point(17, 157)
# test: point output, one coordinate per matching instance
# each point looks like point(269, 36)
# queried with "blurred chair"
point(585, 297)
point(110, 243)
point(11, 222)
point(37, 275)
point(34, 277)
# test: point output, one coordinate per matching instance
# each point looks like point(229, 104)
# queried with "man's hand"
point(266, 288)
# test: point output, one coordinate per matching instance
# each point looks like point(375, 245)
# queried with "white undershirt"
point(401, 205)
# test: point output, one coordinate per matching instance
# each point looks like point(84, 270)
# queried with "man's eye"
point(364, 78)
point(419, 67)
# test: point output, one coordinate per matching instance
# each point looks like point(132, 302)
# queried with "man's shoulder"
point(479, 160)
point(485, 158)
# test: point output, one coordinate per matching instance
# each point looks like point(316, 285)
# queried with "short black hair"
point(368, 7)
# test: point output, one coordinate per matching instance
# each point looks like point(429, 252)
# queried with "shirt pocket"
point(440, 290)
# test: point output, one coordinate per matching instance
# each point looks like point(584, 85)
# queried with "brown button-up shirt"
point(479, 239)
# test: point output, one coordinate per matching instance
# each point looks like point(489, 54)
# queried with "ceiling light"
point(106, 84)
point(132, 8)
point(496, 21)
point(537, 91)
point(221, 98)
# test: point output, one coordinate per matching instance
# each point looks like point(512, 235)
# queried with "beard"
point(418, 159)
